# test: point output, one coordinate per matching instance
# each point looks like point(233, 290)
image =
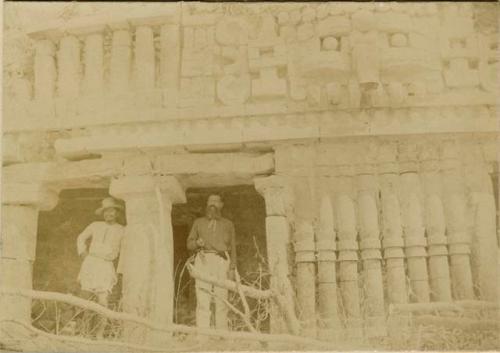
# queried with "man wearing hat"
point(212, 237)
point(97, 274)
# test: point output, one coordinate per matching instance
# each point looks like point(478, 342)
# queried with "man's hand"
point(84, 254)
point(200, 243)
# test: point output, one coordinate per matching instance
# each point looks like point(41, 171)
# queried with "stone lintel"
point(202, 180)
point(90, 173)
point(25, 184)
point(29, 194)
point(27, 172)
point(215, 163)
point(125, 186)
point(97, 172)
point(205, 133)
point(11, 152)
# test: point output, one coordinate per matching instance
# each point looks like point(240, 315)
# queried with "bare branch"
point(230, 285)
point(70, 299)
point(68, 343)
point(242, 296)
point(234, 309)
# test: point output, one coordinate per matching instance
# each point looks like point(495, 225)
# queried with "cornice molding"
point(236, 132)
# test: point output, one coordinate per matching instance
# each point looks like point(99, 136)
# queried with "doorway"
point(57, 263)
point(246, 209)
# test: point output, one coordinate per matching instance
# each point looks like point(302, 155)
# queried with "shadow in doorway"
point(57, 262)
point(246, 209)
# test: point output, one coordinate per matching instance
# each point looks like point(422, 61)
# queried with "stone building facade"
point(370, 130)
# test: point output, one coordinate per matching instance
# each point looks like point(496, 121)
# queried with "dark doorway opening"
point(246, 209)
point(57, 262)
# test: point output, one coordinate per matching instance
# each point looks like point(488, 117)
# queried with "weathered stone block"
point(15, 274)
point(19, 230)
point(231, 31)
point(333, 25)
point(28, 194)
point(459, 74)
point(197, 91)
point(233, 90)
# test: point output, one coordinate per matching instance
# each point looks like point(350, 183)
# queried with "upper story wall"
point(191, 61)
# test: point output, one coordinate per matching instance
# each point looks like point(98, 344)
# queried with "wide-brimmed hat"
point(214, 200)
point(108, 202)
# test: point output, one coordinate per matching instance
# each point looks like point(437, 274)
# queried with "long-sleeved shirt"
point(106, 240)
point(217, 233)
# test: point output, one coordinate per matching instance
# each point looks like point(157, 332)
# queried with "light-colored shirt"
point(217, 234)
point(106, 240)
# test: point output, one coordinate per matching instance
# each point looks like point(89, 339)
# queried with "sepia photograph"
point(250, 176)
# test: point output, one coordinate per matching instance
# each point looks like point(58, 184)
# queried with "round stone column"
point(69, 70)
point(120, 67)
point(93, 79)
point(369, 234)
point(329, 327)
point(439, 270)
point(44, 70)
point(305, 255)
point(411, 202)
point(277, 196)
point(482, 222)
point(348, 263)
point(455, 210)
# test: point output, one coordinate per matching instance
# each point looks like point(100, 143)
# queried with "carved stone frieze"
point(220, 61)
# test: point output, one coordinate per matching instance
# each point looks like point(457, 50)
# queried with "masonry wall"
point(245, 71)
point(410, 221)
point(379, 119)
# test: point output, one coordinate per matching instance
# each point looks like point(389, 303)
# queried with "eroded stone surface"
point(148, 287)
point(21, 204)
point(370, 130)
point(293, 54)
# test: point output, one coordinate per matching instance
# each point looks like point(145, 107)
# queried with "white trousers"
point(218, 267)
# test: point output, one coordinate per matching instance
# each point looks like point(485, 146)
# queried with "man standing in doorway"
point(97, 274)
point(212, 237)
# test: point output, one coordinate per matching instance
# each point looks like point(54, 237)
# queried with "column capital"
point(126, 186)
point(277, 193)
point(29, 194)
point(263, 184)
